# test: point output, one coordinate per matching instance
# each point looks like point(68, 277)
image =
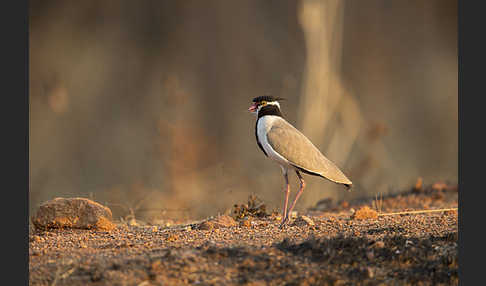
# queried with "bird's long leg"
point(302, 186)
point(287, 192)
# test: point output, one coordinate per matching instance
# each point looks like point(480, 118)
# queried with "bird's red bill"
point(253, 107)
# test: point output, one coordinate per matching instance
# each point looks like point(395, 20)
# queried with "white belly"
point(263, 126)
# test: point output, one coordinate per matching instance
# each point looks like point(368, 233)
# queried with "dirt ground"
point(329, 246)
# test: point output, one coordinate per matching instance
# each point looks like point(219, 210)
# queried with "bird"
point(293, 151)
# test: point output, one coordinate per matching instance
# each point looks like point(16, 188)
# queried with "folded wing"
point(301, 153)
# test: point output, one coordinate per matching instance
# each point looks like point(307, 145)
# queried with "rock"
point(224, 221)
point(73, 213)
point(207, 225)
point(221, 221)
point(304, 221)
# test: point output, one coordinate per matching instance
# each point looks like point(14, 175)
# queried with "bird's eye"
point(263, 102)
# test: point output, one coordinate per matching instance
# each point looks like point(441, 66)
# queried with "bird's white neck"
point(269, 103)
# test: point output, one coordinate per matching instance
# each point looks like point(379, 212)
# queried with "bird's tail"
point(348, 187)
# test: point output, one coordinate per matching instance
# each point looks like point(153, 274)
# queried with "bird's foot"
point(284, 222)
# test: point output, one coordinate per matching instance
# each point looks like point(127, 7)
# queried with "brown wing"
point(289, 142)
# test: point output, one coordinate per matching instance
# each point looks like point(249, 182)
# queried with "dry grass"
point(377, 204)
point(418, 212)
point(365, 212)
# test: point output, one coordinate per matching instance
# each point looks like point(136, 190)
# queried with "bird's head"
point(261, 101)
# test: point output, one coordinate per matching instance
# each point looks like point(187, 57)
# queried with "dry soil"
point(329, 246)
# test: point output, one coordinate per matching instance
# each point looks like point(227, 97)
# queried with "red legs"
point(287, 192)
point(302, 186)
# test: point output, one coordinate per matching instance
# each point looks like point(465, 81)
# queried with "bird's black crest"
point(267, 98)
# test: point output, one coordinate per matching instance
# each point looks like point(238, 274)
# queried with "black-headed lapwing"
point(283, 143)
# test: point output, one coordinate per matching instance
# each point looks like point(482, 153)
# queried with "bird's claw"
point(284, 222)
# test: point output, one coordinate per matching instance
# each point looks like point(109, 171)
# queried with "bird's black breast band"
point(269, 109)
point(266, 110)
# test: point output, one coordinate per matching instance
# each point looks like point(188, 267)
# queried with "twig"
point(67, 273)
point(418, 212)
point(58, 275)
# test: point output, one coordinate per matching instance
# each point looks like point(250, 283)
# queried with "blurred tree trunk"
point(324, 97)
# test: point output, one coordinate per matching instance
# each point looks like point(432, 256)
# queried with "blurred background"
point(142, 105)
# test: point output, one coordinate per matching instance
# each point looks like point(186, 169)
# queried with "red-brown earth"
point(329, 244)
